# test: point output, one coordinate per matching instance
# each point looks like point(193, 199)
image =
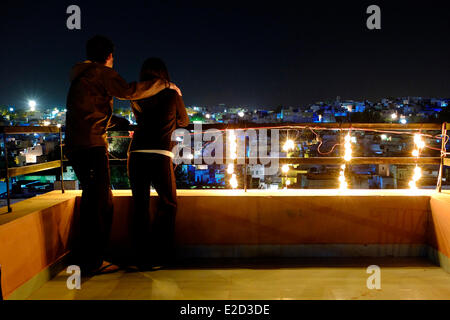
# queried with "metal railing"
point(18, 171)
point(442, 160)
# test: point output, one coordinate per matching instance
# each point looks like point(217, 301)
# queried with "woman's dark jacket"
point(157, 117)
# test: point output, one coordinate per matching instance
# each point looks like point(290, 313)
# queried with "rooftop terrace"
point(247, 243)
point(298, 244)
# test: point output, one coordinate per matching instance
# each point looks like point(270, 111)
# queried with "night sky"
point(238, 53)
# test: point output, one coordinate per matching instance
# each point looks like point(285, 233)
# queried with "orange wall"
point(33, 242)
point(40, 234)
point(439, 227)
point(227, 220)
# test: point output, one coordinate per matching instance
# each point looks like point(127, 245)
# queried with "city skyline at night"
point(239, 54)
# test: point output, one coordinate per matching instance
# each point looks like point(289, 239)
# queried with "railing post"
point(62, 159)
point(8, 195)
point(245, 162)
point(443, 152)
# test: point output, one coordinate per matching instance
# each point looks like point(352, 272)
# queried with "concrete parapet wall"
point(222, 223)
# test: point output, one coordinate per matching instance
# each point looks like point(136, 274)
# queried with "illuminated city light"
point(241, 114)
point(32, 105)
point(394, 116)
point(46, 123)
point(403, 121)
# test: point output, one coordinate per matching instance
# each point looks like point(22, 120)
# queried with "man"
point(89, 110)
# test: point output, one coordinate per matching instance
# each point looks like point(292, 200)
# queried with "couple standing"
point(159, 109)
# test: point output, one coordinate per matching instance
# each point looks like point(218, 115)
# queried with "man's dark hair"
point(98, 49)
point(154, 68)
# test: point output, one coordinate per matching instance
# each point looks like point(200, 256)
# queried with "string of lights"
point(419, 144)
point(290, 145)
point(233, 155)
point(347, 157)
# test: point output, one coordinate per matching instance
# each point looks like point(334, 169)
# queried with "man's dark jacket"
point(90, 102)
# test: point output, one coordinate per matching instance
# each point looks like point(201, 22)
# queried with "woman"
point(150, 163)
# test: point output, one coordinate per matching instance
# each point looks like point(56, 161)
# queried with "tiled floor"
point(287, 279)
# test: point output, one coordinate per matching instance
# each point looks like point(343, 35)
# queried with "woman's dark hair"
point(154, 68)
point(99, 48)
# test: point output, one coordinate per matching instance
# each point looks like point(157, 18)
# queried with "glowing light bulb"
point(288, 182)
point(285, 168)
point(416, 177)
point(417, 174)
point(233, 155)
point(288, 145)
point(420, 144)
point(348, 148)
point(233, 181)
point(342, 183)
point(32, 105)
point(416, 138)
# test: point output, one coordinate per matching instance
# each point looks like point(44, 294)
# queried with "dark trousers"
point(152, 235)
point(91, 166)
